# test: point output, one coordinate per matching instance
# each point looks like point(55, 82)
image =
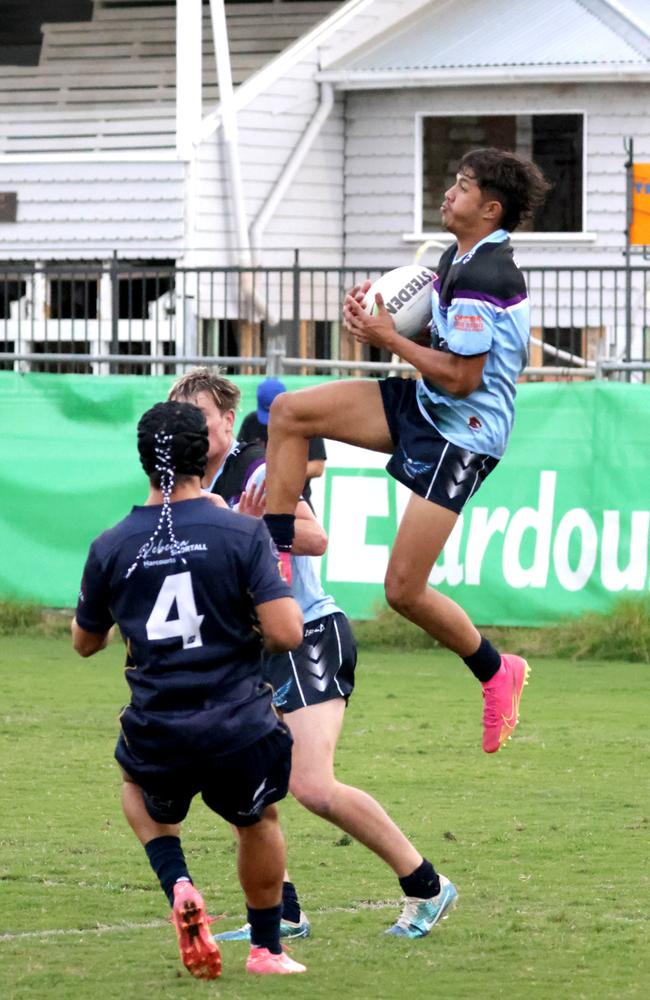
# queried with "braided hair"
point(173, 447)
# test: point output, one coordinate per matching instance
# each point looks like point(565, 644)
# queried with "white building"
point(333, 138)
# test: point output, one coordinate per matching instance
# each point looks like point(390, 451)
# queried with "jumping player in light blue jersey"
point(445, 433)
point(312, 685)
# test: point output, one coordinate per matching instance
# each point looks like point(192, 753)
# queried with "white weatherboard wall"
point(310, 216)
point(381, 170)
point(90, 208)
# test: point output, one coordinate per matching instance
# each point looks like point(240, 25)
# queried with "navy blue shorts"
point(321, 669)
point(424, 460)
point(237, 786)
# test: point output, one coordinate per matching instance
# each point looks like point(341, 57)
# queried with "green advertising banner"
point(561, 526)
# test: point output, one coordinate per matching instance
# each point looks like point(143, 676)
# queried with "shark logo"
point(281, 696)
point(413, 468)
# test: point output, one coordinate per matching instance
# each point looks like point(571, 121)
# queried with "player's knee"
point(282, 412)
point(399, 594)
point(289, 415)
point(313, 796)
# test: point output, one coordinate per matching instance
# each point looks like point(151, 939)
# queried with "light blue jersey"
point(480, 306)
point(308, 590)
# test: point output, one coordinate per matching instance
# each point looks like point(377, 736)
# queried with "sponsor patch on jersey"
point(469, 324)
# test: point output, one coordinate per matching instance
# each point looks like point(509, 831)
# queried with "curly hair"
point(225, 393)
point(517, 183)
point(183, 429)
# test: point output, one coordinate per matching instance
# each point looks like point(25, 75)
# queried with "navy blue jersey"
point(194, 651)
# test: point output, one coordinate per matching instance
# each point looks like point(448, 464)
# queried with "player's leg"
point(156, 823)
point(350, 411)
point(421, 536)
point(315, 730)
point(244, 789)
point(261, 860)
point(261, 863)
point(423, 531)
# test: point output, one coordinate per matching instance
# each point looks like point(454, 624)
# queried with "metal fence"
point(131, 316)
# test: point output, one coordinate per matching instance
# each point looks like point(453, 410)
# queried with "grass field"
point(547, 841)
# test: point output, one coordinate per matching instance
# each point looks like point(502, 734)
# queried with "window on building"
point(554, 142)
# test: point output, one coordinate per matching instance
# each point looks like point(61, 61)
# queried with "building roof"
point(550, 38)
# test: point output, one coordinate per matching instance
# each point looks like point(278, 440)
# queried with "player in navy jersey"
point(445, 432)
point(312, 685)
point(197, 594)
point(230, 462)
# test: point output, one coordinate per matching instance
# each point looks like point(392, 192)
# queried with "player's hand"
point(378, 330)
point(253, 501)
point(358, 292)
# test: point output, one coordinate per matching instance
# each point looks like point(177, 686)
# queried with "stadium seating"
point(101, 83)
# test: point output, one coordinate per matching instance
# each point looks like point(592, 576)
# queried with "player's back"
point(188, 619)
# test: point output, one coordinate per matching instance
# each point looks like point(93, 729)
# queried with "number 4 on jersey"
point(176, 589)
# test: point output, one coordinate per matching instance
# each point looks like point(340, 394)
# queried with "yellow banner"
point(640, 228)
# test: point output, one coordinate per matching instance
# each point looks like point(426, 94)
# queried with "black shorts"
point(237, 786)
point(424, 460)
point(321, 669)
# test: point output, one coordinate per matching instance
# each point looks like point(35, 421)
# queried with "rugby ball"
point(406, 292)
point(257, 481)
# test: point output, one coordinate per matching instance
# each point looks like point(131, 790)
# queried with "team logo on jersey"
point(474, 423)
point(468, 324)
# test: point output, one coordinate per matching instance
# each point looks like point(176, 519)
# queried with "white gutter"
point(291, 167)
point(230, 133)
point(369, 79)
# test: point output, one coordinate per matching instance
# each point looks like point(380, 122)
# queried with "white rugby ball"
point(257, 481)
point(406, 292)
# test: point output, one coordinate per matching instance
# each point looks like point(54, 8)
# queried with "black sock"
point(168, 861)
point(265, 928)
point(281, 529)
point(290, 904)
point(423, 883)
point(485, 662)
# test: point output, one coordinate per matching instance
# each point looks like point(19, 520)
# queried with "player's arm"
point(315, 468)
point(86, 643)
point(310, 538)
point(280, 623)
point(92, 623)
point(316, 458)
point(458, 374)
